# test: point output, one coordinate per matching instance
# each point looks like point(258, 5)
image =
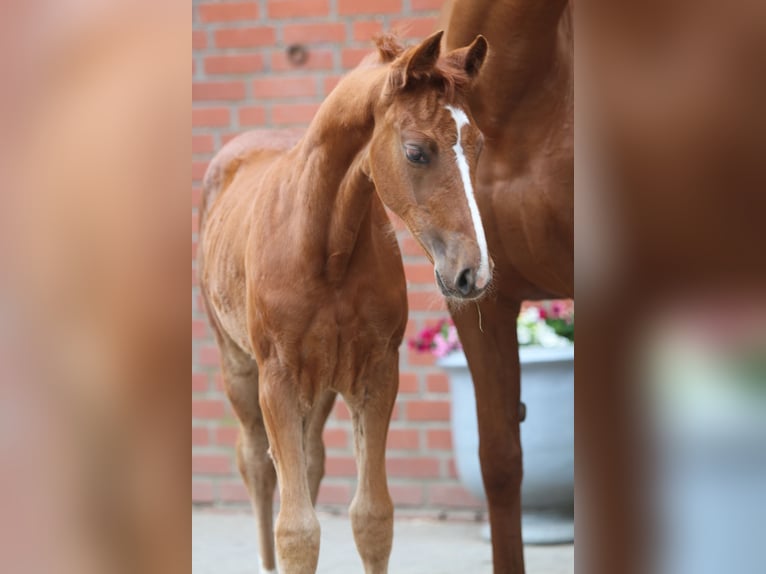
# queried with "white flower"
point(548, 337)
point(530, 315)
point(524, 334)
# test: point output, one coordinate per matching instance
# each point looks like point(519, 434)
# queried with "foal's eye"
point(415, 154)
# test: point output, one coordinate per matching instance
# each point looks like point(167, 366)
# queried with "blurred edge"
point(94, 426)
point(670, 194)
point(94, 148)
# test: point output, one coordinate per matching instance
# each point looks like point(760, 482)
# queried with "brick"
point(209, 117)
point(233, 492)
point(395, 413)
point(200, 436)
point(439, 439)
point(396, 221)
point(208, 409)
point(430, 300)
point(314, 33)
point(408, 383)
point(281, 88)
point(329, 83)
point(428, 410)
point(209, 356)
point(293, 114)
point(298, 8)
point(350, 57)
point(196, 196)
point(220, 385)
point(341, 412)
point(199, 39)
point(403, 439)
point(211, 464)
point(318, 59)
point(420, 5)
point(335, 438)
point(406, 494)
point(364, 31)
point(369, 7)
point(245, 37)
point(419, 273)
point(194, 250)
point(202, 144)
point(417, 358)
point(252, 116)
point(340, 466)
point(334, 493)
point(437, 383)
point(199, 382)
point(414, 27)
point(412, 329)
point(412, 467)
point(229, 11)
point(200, 305)
point(226, 436)
point(202, 491)
point(198, 170)
point(410, 247)
point(453, 496)
point(199, 329)
point(233, 64)
point(206, 91)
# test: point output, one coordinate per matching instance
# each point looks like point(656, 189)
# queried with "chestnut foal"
point(304, 284)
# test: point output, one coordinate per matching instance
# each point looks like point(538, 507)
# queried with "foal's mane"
point(447, 74)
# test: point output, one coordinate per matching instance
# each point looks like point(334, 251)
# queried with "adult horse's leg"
point(491, 346)
point(315, 453)
point(297, 528)
point(372, 512)
point(241, 378)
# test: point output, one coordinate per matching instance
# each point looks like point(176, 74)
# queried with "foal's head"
point(423, 156)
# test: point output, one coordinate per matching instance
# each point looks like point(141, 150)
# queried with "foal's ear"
point(419, 62)
point(471, 58)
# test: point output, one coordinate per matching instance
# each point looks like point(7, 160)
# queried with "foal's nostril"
point(465, 281)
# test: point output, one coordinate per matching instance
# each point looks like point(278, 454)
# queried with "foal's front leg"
point(372, 512)
point(297, 528)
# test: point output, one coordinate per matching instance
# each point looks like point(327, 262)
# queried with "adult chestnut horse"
point(523, 104)
point(304, 284)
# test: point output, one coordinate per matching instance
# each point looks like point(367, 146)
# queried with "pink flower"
point(441, 347)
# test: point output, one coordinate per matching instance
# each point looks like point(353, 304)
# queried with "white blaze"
point(482, 276)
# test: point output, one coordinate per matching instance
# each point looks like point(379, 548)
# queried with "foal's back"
point(227, 202)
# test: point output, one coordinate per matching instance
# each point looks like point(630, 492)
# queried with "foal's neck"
point(334, 188)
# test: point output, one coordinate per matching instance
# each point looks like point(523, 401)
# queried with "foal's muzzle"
point(462, 285)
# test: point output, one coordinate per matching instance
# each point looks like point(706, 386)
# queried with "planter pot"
point(547, 439)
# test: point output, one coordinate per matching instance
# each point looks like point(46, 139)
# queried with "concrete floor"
point(225, 543)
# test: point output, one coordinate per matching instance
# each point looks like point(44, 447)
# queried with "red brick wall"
point(242, 80)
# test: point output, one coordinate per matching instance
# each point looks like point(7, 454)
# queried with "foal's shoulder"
point(240, 150)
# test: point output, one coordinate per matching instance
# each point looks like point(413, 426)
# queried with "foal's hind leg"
point(372, 512)
point(314, 445)
point(241, 378)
